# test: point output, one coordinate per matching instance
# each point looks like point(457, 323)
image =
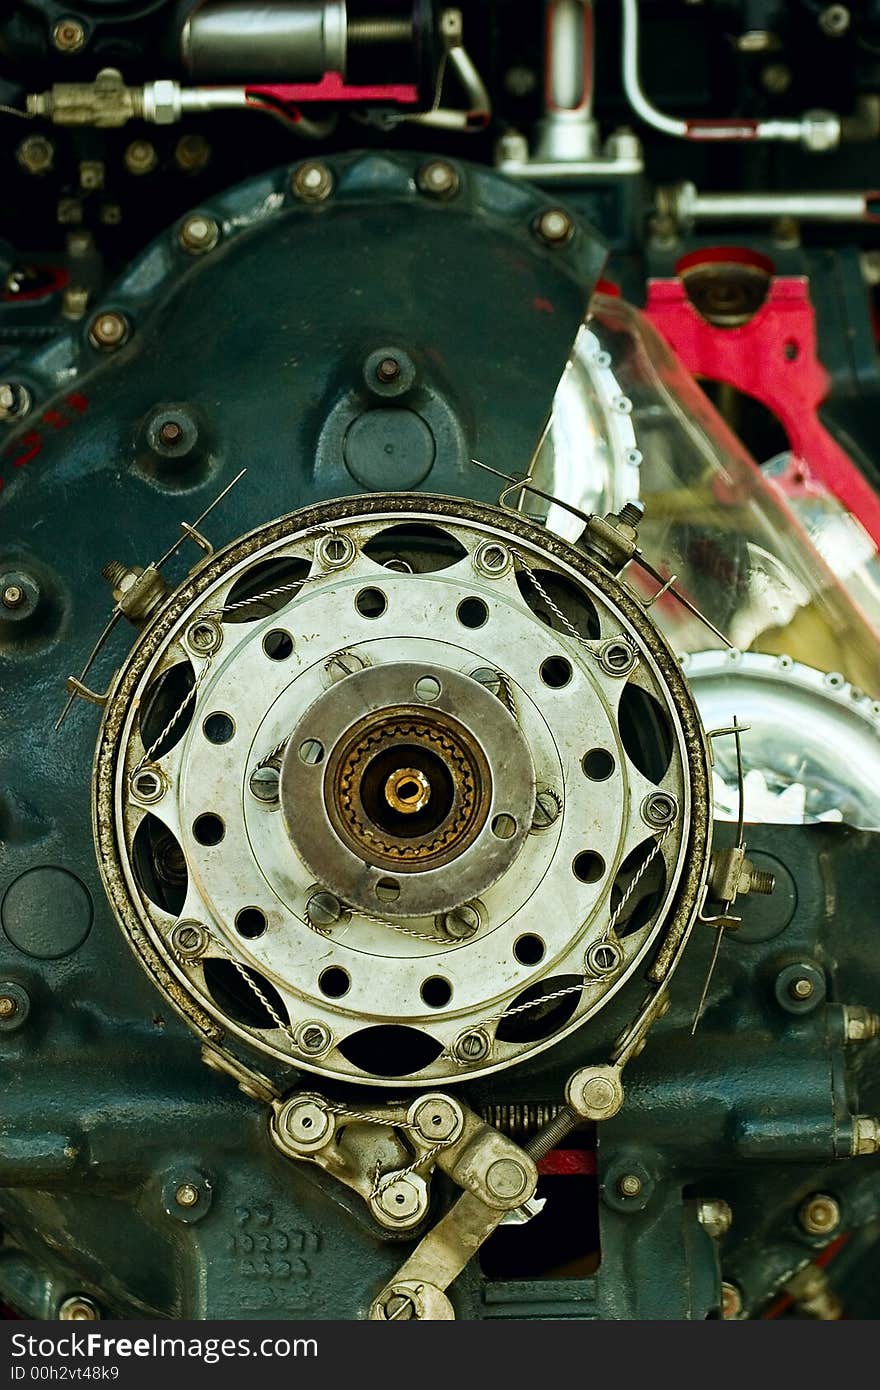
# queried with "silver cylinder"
point(755, 207)
point(276, 40)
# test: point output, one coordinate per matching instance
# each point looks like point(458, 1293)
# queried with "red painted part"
point(724, 255)
point(773, 357)
point(608, 287)
point(332, 87)
point(567, 1163)
point(56, 281)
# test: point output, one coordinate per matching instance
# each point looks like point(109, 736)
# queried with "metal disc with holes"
point(401, 793)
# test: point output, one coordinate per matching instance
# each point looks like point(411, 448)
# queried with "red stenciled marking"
point(22, 451)
point(543, 306)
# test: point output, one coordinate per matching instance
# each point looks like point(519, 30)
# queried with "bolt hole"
point(588, 866)
point(311, 752)
point(387, 890)
point(209, 829)
point(278, 645)
point(529, 950)
point(250, 923)
point(427, 688)
point(218, 728)
point(472, 612)
point(792, 351)
point(436, 992)
point(371, 603)
point(334, 982)
point(503, 827)
point(556, 672)
point(598, 764)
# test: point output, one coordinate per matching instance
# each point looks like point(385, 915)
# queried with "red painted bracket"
point(773, 357)
point(333, 88)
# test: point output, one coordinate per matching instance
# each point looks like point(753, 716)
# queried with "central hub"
point(408, 790)
point(413, 771)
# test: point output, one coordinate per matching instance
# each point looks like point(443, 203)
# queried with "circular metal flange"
point(418, 646)
point(461, 759)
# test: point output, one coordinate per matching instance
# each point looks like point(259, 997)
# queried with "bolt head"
point(715, 1216)
point(555, 227)
point(140, 157)
point(323, 908)
point(461, 923)
point(186, 1195)
point(313, 1038)
point(439, 179)
point(13, 596)
point(68, 35)
point(78, 1308)
point(437, 1119)
point(472, 1046)
point(108, 330)
point(547, 809)
point(819, 1215)
point(198, 234)
point(8, 1006)
point(307, 1123)
point(801, 988)
point(629, 1185)
point(312, 182)
point(506, 1179)
point(388, 370)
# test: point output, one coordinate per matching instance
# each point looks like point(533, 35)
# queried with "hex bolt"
point(461, 923)
point(629, 1185)
point(866, 1135)
point(819, 1215)
point(860, 1024)
point(555, 227)
point(388, 370)
point(204, 636)
point(78, 1308)
point(313, 1038)
point(438, 179)
point(323, 909)
point(715, 1216)
point(186, 1195)
point(731, 1300)
point(13, 596)
point(198, 234)
point(548, 806)
point(68, 36)
point(108, 330)
point(312, 182)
